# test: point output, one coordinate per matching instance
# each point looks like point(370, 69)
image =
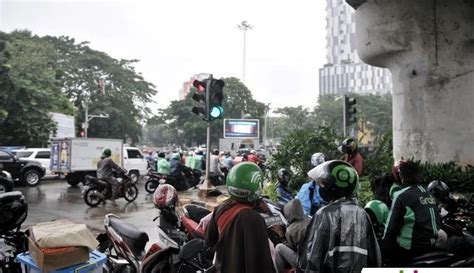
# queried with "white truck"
point(77, 157)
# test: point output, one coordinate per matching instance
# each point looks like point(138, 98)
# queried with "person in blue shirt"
point(309, 192)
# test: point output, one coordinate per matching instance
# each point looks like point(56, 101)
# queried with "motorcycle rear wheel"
point(131, 193)
point(91, 199)
point(151, 185)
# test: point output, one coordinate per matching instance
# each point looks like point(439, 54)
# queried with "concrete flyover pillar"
point(428, 45)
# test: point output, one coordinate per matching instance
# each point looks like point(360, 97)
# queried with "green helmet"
point(339, 178)
point(244, 182)
point(106, 152)
point(379, 210)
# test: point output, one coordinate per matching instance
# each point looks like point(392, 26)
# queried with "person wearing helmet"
point(177, 173)
point(352, 155)
point(446, 203)
point(309, 191)
point(252, 157)
point(162, 165)
point(105, 171)
point(236, 231)
point(283, 191)
point(413, 222)
point(340, 237)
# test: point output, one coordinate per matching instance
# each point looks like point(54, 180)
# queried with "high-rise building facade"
point(344, 71)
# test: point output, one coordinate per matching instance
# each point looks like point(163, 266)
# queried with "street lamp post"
point(244, 26)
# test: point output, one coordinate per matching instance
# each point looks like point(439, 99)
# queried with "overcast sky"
point(176, 39)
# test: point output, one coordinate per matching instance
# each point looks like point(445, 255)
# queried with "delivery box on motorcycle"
point(50, 260)
point(60, 244)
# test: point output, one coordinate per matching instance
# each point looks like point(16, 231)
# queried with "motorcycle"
point(124, 245)
point(99, 191)
point(155, 179)
point(13, 212)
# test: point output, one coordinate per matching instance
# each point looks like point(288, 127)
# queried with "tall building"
point(184, 91)
point(344, 72)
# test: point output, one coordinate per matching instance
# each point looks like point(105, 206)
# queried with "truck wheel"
point(134, 175)
point(32, 178)
point(73, 180)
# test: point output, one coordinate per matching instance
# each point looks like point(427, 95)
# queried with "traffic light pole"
point(206, 186)
point(344, 116)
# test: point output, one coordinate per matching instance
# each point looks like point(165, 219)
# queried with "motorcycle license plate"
point(271, 221)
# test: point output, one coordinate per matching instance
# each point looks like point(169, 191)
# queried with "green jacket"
point(163, 166)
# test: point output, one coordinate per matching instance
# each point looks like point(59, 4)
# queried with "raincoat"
point(163, 166)
point(297, 223)
point(340, 239)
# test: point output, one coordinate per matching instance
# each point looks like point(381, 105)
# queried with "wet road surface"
point(55, 199)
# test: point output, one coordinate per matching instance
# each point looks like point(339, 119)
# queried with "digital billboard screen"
point(241, 128)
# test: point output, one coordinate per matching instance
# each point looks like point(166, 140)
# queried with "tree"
point(374, 113)
point(126, 92)
point(30, 90)
point(294, 118)
point(187, 129)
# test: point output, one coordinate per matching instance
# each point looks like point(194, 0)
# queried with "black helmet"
point(348, 146)
point(13, 210)
point(283, 176)
point(338, 179)
point(439, 190)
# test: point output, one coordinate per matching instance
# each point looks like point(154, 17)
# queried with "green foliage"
point(270, 190)
point(29, 90)
point(374, 113)
point(459, 179)
point(380, 160)
point(296, 150)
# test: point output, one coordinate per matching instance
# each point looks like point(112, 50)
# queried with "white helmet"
point(317, 158)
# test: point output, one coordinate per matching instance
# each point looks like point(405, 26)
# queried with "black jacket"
point(413, 221)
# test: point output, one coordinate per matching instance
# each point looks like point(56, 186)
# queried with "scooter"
point(13, 212)
point(124, 245)
point(155, 179)
point(99, 191)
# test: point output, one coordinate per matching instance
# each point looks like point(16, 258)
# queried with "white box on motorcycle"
point(60, 244)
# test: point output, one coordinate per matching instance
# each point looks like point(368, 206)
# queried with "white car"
point(134, 162)
point(40, 155)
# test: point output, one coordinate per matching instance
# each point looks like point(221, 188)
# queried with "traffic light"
point(216, 97)
point(200, 97)
point(350, 110)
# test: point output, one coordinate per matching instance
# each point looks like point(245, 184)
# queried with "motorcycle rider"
point(286, 254)
point(162, 165)
point(252, 157)
point(177, 170)
point(309, 191)
point(215, 168)
point(340, 237)
point(413, 222)
point(352, 155)
point(105, 171)
point(236, 231)
point(283, 191)
point(446, 203)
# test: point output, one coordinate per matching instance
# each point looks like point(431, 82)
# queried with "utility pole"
point(267, 108)
point(244, 26)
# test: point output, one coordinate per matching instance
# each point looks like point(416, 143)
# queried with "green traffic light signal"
point(217, 112)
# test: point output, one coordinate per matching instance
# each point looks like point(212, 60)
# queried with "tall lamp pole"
point(244, 26)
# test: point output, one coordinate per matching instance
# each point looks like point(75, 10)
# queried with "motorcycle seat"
point(195, 212)
point(132, 236)
point(10, 196)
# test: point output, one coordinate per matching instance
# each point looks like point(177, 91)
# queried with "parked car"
point(40, 155)
point(28, 172)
